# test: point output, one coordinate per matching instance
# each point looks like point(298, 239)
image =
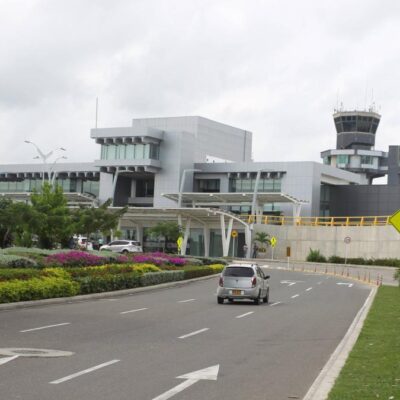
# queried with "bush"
point(74, 259)
point(209, 261)
point(12, 261)
point(159, 259)
point(397, 275)
point(194, 261)
point(196, 272)
point(108, 282)
point(315, 256)
point(217, 268)
point(36, 289)
point(9, 274)
point(155, 278)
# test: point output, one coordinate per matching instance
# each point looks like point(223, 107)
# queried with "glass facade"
point(356, 123)
point(130, 151)
point(367, 160)
point(342, 159)
point(248, 185)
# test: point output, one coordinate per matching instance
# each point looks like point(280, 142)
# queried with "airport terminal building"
point(162, 166)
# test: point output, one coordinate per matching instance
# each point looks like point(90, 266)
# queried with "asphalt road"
point(135, 347)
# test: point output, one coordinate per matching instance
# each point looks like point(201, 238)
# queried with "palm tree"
point(262, 238)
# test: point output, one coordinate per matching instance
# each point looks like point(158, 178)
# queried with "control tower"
point(355, 144)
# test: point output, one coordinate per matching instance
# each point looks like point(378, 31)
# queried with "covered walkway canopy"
point(205, 217)
point(256, 200)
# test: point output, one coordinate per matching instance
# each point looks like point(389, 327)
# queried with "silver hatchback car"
point(243, 281)
point(123, 246)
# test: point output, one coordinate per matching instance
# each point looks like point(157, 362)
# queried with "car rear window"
point(239, 271)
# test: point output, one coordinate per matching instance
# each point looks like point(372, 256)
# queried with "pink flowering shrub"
point(159, 258)
point(74, 259)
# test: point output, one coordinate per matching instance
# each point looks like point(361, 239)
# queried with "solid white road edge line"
point(186, 301)
point(131, 311)
point(296, 295)
point(193, 333)
point(45, 327)
point(326, 379)
point(244, 315)
point(85, 371)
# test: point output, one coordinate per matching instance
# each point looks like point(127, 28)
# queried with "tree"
point(14, 220)
point(168, 230)
point(262, 238)
point(51, 219)
point(89, 220)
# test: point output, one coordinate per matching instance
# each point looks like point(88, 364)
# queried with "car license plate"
point(236, 292)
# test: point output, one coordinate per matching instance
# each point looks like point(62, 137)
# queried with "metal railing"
point(319, 221)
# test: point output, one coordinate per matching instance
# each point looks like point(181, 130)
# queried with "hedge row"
point(36, 289)
point(316, 256)
point(34, 284)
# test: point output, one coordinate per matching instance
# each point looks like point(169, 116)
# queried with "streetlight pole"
point(44, 157)
point(52, 171)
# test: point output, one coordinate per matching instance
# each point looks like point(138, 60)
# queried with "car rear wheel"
point(257, 299)
point(266, 298)
point(220, 300)
point(125, 252)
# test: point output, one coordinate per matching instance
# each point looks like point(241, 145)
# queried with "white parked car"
point(123, 246)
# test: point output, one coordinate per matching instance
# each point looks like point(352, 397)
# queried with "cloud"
point(272, 67)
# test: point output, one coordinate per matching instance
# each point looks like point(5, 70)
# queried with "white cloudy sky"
point(272, 67)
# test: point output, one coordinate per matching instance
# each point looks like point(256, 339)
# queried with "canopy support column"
point(296, 212)
point(226, 236)
point(186, 237)
point(247, 238)
point(206, 232)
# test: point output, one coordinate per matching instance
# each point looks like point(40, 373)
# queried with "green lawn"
point(372, 370)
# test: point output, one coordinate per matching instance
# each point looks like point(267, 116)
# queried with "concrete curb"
point(321, 387)
point(103, 295)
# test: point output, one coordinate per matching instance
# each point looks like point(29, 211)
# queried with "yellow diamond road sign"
point(273, 241)
point(395, 220)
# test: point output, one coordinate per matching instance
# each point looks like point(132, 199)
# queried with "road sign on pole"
point(273, 241)
point(395, 220)
point(347, 241)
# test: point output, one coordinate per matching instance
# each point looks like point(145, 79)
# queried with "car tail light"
point(253, 281)
point(221, 281)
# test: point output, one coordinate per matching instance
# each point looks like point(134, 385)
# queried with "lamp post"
point(44, 157)
point(183, 183)
point(53, 178)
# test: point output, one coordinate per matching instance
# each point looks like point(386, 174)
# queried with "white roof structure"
point(232, 199)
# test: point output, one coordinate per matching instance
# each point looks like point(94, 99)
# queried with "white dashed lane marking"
point(132, 311)
point(296, 295)
point(307, 290)
point(85, 371)
point(245, 315)
point(193, 333)
point(276, 303)
point(186, 301)
point(45, 327)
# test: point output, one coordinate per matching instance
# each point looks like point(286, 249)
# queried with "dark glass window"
point(239, 272)
point(209, 185)
point(145, 188)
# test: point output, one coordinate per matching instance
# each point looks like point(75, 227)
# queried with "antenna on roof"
point(97, 109)
point(365, 97)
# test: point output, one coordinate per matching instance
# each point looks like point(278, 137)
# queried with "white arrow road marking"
point(131, 311)
point(186, 301)
point(45, 327)
point(85, 371)
point(193, 333)
point(345, 284)
point(7, 359)
point(210, 373)
point(244, 315)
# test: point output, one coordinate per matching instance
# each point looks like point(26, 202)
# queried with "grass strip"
point(372, 370)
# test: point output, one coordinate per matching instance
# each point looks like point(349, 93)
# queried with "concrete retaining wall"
point(366, 241)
